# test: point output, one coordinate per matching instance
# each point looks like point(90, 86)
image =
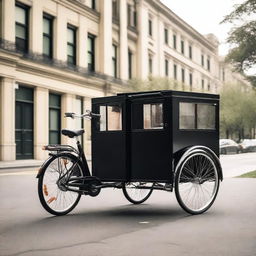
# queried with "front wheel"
point(197, 182)
point(52, 189)
point(137, 192)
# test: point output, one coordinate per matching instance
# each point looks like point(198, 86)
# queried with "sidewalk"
point(17, 164)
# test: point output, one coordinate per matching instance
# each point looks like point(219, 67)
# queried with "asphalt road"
point(110, 225)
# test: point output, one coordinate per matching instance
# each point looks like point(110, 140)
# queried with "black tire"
point(51, 192)
point(197, 182)
point(136, 195)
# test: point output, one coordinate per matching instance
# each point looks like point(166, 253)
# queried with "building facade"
point(57, 55)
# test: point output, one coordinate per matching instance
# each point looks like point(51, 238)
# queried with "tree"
point(238, 112)
point(243, 37)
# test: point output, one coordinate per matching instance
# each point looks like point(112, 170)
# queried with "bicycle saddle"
point(72, 133)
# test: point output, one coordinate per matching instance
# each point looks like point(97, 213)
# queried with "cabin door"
point(150, 139)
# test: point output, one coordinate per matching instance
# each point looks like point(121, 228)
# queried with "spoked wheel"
point(52, 189)
point(197, 182)
point(135, 194)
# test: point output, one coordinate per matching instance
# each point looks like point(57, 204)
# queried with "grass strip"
point(248, 175)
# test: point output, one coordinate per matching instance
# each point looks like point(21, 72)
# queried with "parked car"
point(248, 145)
point(228, 146)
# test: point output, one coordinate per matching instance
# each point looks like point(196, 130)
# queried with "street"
point(110, 225)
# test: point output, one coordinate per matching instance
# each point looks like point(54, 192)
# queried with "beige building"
point(56, 55)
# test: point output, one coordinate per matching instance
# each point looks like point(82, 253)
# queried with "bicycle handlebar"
point(88, 114)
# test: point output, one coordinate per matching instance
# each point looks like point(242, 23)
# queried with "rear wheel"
point(135, 193)
point(52, 188)
point(197, 182)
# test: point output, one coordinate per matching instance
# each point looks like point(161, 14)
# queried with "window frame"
point(91, 66)
point(106, 105)
point(150, 64)
point(114, 60)
point(183, 75)
point(182, 46)
point(190, 52)
point(166, 36)
point(174, 39)
point(73, 45)
point(25, 26)
point(49, 36)
point(57, 108)
point(92, 4)
point(175, 74)
point(130, 58)
point(196, 116)
point(150, 27)
point(166, 61)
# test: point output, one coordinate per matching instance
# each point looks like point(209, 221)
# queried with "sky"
point(205, 16)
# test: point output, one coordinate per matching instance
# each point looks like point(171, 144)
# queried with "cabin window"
point(187, 116)
point(206, 116)
point(111, 117)
point(153, 116)
point(200, 116)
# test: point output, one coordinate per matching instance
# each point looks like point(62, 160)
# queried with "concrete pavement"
point(109, 225)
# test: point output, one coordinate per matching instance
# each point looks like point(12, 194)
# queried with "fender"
point(183, 153)
point(47, 162)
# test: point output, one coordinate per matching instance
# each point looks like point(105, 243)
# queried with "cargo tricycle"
point(158, 140)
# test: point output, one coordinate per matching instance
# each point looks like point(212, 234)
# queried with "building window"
point(150, 64)
point(175, 71)
point(114, 10)
point(54, 118)
point(208, 64)
point(174, 41)
point(166, 68)
point(182, 46)
point(91, 52)
point(114, 61)
point(202, 83)
point(209, 86)
point(71, 45)
point(183, 75)
point(190, 80)
point(21, 27)
point(92, 4)
point(47, 36)
point(202, 60)
point(166, 36)
point(129, 64)
point(150, 30)
point(131, 15)
point(190, 52)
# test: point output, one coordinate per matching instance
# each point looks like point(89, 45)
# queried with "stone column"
point(142, 52)
point(7, 120)
point(123, 58)
point(104, 58)
point(41, 122)
point(8, 19)
point(36, 27)
point(61, 34)
point(67, 105)
point(82, 42)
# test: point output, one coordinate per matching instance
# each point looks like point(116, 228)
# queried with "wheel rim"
point(198, 182)
point(137, 194)
point(55, 194)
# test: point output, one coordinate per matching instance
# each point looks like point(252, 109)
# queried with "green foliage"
point(157, 83)
point(243, 37)
point(238, 112)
